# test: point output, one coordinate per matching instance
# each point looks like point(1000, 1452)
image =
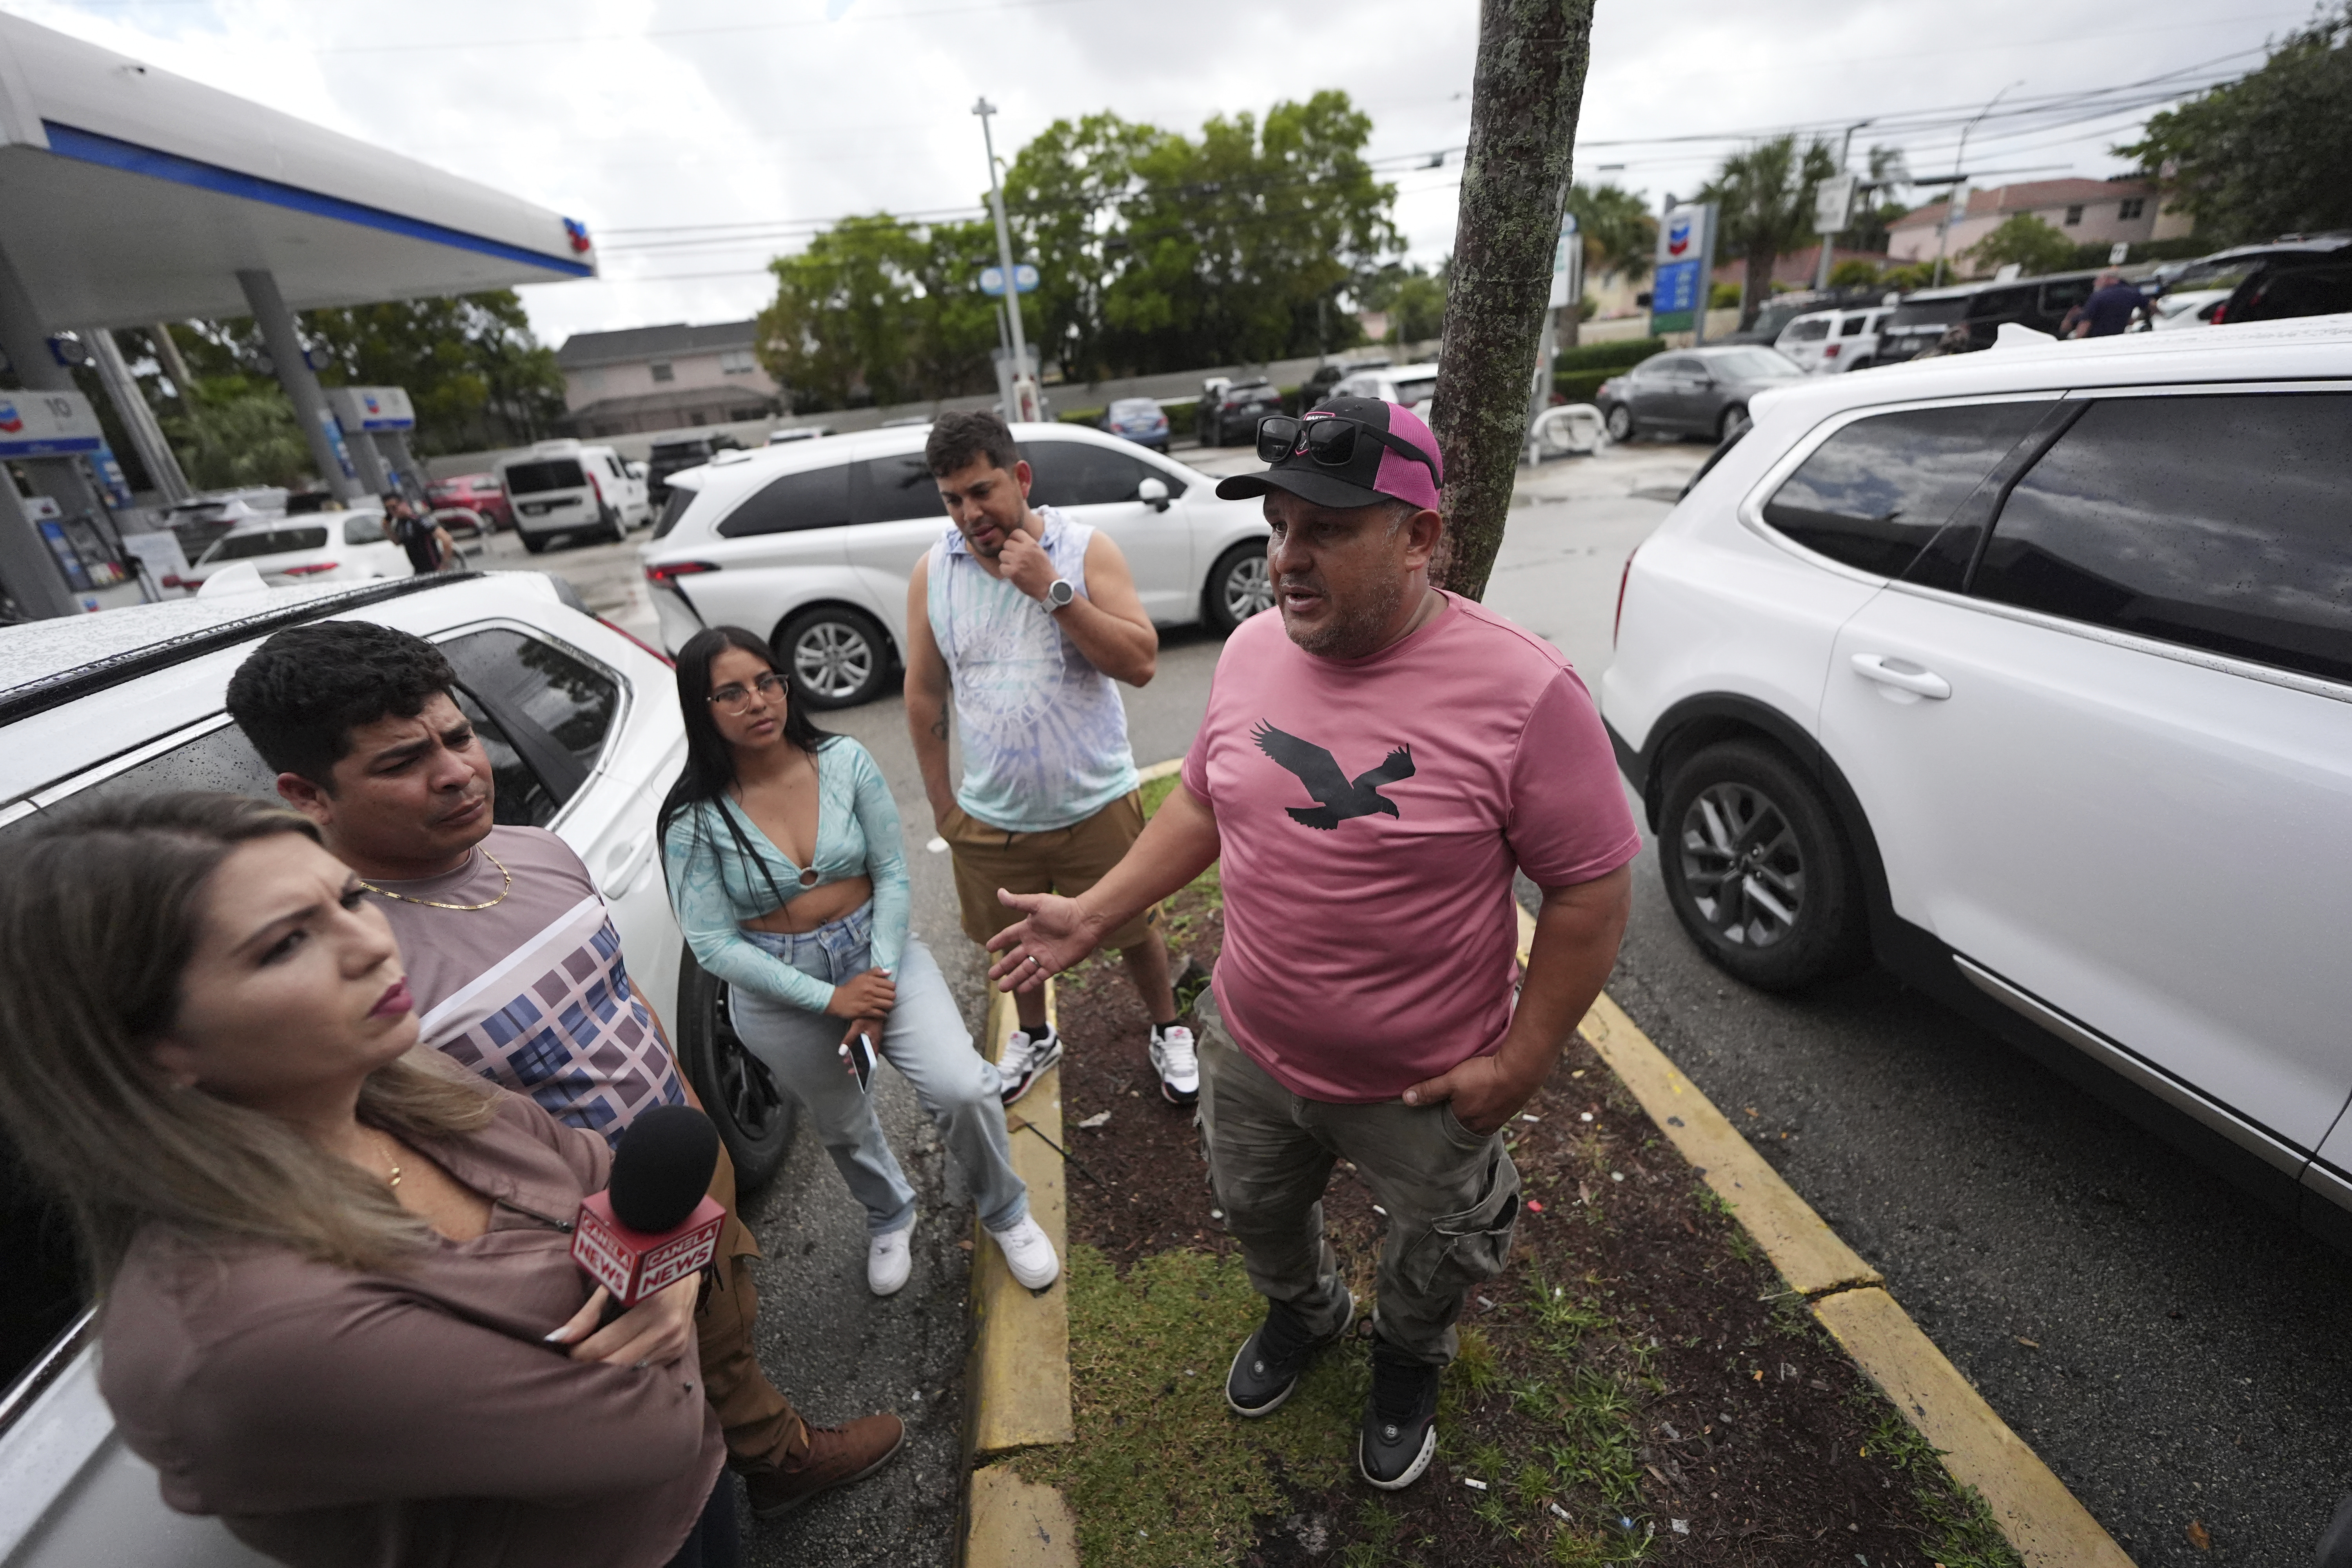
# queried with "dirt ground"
point(1636, 1385)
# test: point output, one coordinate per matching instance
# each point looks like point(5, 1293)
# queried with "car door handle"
point(621, 865)
point(1903, 675)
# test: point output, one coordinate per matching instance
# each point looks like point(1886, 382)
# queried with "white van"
point(565, 487)
point(1828, 342)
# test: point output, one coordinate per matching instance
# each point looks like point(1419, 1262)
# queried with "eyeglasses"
point(734, 699)
point(1328, 440)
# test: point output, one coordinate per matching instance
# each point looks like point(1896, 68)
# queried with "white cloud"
point(632, 114)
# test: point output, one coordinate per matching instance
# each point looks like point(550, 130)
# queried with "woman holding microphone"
point(782, 850)
point(340, 1308)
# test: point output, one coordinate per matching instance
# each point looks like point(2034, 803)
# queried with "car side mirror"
point(1153, 492)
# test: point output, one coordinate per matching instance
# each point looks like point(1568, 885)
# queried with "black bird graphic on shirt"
point(1319, 771)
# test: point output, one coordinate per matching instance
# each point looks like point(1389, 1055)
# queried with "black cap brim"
point(1308, 484)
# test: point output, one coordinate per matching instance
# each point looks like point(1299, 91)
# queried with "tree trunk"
point(1759, 285)
point(1524, 101)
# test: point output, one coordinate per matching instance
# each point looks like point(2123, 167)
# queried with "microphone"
point(654, 1223)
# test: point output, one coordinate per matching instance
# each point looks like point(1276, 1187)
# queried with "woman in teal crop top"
point(816, 949)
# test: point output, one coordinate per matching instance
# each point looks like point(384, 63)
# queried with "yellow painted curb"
point(2039, 1515)
point(1019, 1386)
point(2046, 1523)
point(1017, 1525)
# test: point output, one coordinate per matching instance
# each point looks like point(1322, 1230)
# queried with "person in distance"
point(517, 970)
point(782, 850)
point(1026, 619)
point(336, 1271)
point(1372, 769)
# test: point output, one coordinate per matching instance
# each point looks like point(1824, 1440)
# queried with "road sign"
point(1568, 265)
point(47, 425)
point(2118, 253)
point(1685, 261)
point(372, 407)
point(1834, 204)
point(992, 281)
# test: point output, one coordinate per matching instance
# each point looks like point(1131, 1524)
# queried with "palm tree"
point(1764, 198)
point(1621, 233)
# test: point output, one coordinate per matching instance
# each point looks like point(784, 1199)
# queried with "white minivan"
point(1828, 342)
point(812, 544)
point(565, 488)
point(2027, 674)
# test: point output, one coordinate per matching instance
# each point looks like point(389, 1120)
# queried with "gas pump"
point(44, 438)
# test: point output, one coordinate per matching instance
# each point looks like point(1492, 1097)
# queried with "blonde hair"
point(99, 918)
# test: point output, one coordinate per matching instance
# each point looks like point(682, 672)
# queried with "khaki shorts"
point(1067, 862)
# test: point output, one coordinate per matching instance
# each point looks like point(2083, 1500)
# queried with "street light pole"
point(1960, 167)
point(1025, 398)
point(1845, 147)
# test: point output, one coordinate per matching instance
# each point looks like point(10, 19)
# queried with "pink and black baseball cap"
point(1347, 452)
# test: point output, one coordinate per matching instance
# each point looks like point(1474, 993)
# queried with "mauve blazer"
point(412, 1419)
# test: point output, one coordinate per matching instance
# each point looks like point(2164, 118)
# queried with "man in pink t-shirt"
point(1372, 771)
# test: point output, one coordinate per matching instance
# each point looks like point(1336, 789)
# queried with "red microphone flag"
point(636, 1263)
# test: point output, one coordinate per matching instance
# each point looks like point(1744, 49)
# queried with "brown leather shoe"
point(835, 1456)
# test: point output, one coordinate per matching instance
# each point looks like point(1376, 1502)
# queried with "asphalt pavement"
point(2176, 1352)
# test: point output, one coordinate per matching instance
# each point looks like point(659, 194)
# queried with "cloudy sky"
point(660, 123)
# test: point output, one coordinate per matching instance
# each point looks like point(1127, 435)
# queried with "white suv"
point(1828, 342)
point(584, 732)
point(812, 544)
point(2028, 674)
point(565, 488)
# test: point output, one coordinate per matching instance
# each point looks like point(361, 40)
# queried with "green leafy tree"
point(1413, 299)
point(1764, 197)
point(2268, 153)
point(2032, 243)
point(1620, 232)
point(1854, 273)
point(1066, 194)
point(234, 430)
point(843, 325)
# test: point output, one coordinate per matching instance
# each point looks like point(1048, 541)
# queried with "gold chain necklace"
point(394, 1180)
point(437, 904)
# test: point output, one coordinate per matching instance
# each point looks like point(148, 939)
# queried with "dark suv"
point(1232, 414)
point(1922, 318)
point(2309, 276)
point(676, 455)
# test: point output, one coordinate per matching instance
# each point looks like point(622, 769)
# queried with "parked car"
point(1139, 420)
point(2302, 278)
point(322, 547)
point(2029, 676)
point(1824, 343)
point(562, 488)
point(474, 492)
point(1922, 318)
point(1329, 373)
point(1693, 391)
point(2189, 308)
point(812, 545)
point(1409, 384)
point(583, 728)
point(1230, 412)
point(675, 453)
point(200, 523)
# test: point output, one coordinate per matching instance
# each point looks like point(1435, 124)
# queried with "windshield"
point(1812, 330)
point(1755, 365)
point(533, 479)
point(1926, 313)
point(276, 542)
point(367, 528)
point(1134, 408)
point(1411, 392)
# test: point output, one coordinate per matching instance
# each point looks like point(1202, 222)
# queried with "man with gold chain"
point(515, 965)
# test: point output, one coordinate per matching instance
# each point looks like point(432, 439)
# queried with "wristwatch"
point(1058, 594)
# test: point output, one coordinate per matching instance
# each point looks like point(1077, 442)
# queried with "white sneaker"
point(1172, 1058)
point(1029, 1253)
point(888, 1260)
point(1024, 1058)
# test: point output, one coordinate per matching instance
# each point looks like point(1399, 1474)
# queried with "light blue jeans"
point(924, 1039)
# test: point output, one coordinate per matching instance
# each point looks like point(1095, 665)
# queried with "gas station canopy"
point(129, 196)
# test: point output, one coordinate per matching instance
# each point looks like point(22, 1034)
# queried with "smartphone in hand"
point(857, 1050)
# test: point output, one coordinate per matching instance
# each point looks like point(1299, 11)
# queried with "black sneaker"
point(1400, 1430)
point(1267, 1366)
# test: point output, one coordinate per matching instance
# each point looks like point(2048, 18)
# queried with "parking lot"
point(2174, 1350)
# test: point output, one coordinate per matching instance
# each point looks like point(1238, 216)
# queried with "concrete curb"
point(1159, 770)
point(1017, 1383)
point(2045, 1522)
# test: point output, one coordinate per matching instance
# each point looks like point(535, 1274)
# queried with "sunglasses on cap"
point(1330, 441)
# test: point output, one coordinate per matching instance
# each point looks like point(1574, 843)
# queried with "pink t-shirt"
point(1371, 813)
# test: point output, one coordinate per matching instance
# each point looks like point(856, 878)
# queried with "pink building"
point(2088, 212)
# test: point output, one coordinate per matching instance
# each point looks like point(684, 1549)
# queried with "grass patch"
point(1207, 885)
point(1962, 1531)
point(1162, 1473)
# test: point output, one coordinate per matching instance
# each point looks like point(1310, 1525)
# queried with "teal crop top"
point(714, 888)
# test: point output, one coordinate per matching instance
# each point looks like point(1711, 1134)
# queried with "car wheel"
point(756, 1120)
point(1756, 869)
point(1734, 424)
point(1620, 422)
point(1240, 585)
point(836, 656)
point(534, 542)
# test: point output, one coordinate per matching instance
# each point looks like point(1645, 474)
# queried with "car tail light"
point(2220, 311)
point(639, 641)
point(670, 571)
point(1831, 351)
point(1622, 578)
point(171, 579)
point(311, 570)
